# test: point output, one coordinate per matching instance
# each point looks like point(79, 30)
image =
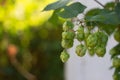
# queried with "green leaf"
point(54, 18)
point(117, 10)
point(111, 18)
point(108, 28)
point(72, 10)
point(92, 12)
point(117, 50)
point(56, 5)
point(110, 5)
point(105, 17)
point(95, 18)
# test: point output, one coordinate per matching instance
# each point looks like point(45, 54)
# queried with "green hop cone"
point(80, 34)
point(87, 33)
point(92, 40)
point(102, 38)
point(80, 50)
point(117, 35)
point(115, 50)
point(80, 29)
point(64, 56)
point(68, 25)
point(68, 35)
point(91, 52)
point(100, 51)
point(112, 51)
point(67, 43)
point(116, 62)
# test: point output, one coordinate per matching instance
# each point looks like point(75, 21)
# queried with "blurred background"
point(29, 41)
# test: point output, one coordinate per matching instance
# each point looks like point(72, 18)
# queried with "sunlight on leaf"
point(72, 10)
point(56, 5)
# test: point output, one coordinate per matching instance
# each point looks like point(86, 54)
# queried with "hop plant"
point(91, 52)
point(117, 35)
point(100, 51)
point(102, 38)
point(68, 25)
point(80, 50)
point(115, 51)
point(64, 56)
point(80, 34)
point(67, 43)
point(112, 51)
point(92, 40)
point(86, 34)
point(68, 35)
point(116, 62)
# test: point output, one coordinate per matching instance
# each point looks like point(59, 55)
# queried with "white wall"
point(89, 68)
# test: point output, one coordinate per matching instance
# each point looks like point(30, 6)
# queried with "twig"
point(12, 51)
point(99, 3)
point(22, 71)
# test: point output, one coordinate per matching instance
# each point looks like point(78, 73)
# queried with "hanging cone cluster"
point(92, 41)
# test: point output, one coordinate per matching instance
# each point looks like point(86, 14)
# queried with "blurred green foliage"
point(38, 42)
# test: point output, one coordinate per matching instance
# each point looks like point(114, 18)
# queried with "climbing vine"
point(92, 31)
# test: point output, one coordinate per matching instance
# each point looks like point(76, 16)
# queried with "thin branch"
point(12, 51)
point(22, 71)
point(99, 3)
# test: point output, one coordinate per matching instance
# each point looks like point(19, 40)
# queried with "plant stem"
point(99, 3)
point(21, 69)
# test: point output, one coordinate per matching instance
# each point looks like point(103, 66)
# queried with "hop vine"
point(91, 40)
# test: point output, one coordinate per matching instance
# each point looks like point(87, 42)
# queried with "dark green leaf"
point(104, 17)
point(54, 18)
point(90, 13)
point(72, 10)
point(117, 49)
point(117, 10)
point(56, 5)
point(110, 5)
point(95, 18)
point(108, 28)
point(93, 12)
point(111, 18)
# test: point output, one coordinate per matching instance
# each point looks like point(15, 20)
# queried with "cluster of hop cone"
point(92, 41)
